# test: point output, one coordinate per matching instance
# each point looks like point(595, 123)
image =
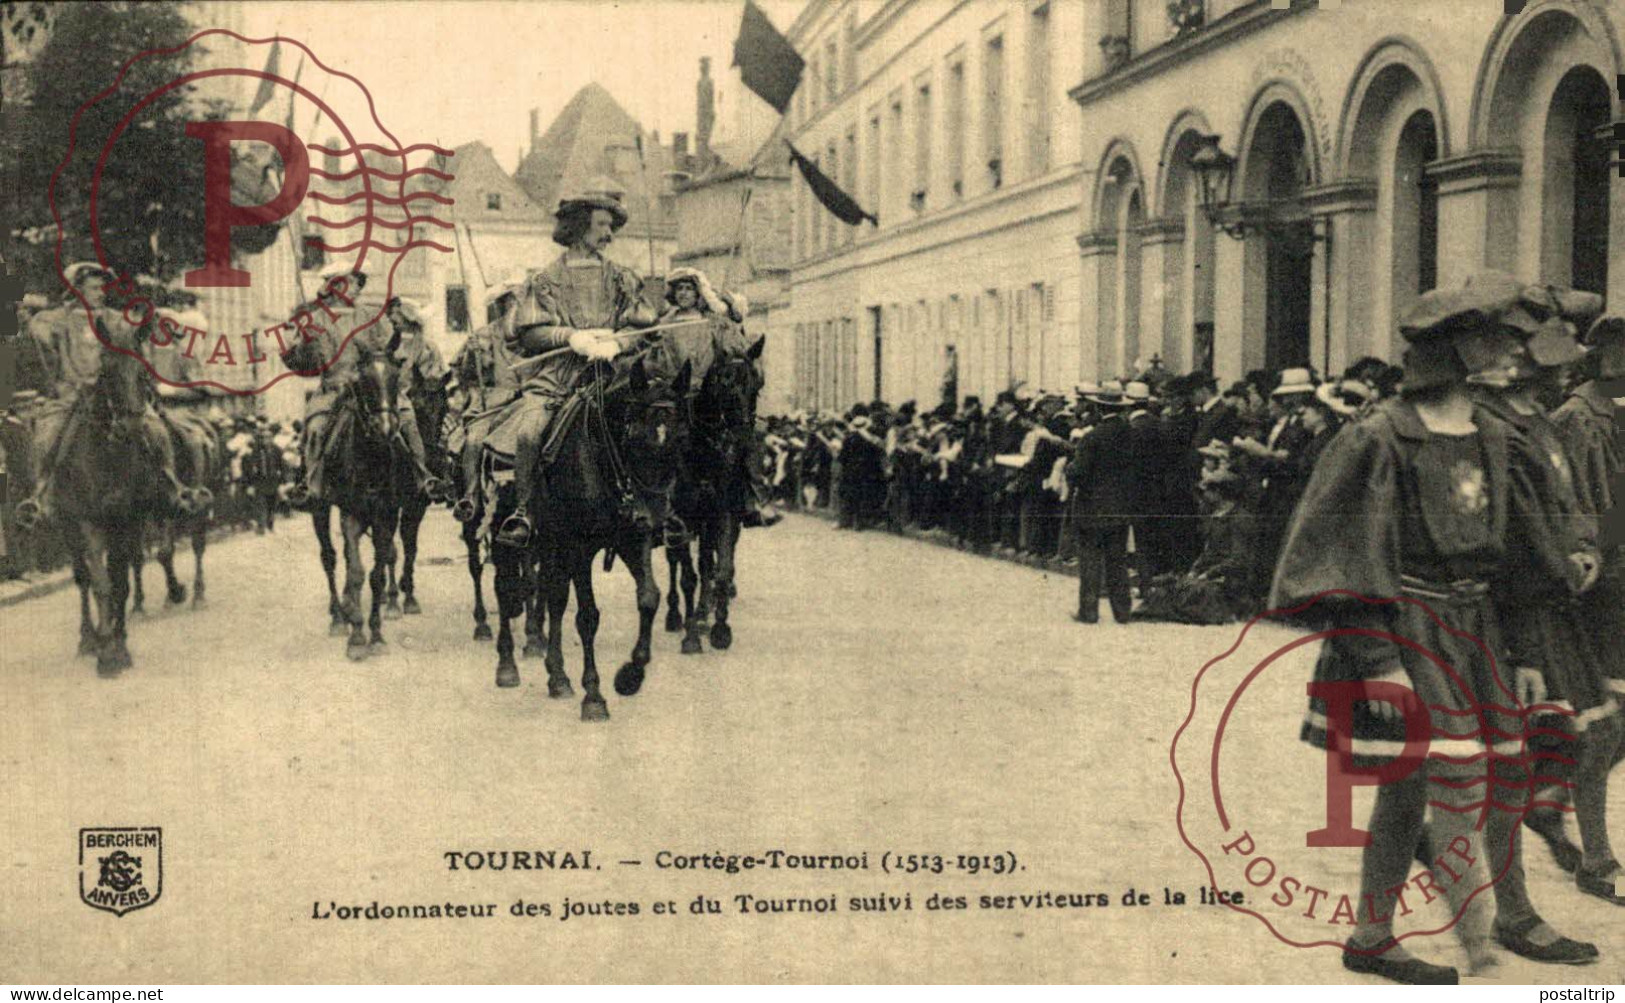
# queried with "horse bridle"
point(628, 485)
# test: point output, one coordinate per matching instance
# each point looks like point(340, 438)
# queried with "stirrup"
point(464, 510)
point(435, 488)
point(28, 514)
point(299, 495)
point(515, 531)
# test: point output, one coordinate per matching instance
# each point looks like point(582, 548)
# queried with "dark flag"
point(768, 64)
point(273, 64)
point(829, 193)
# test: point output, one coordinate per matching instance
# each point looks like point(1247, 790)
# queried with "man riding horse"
point(339, 300)
point(70, 351)
point(579, 302)
point(486, 384)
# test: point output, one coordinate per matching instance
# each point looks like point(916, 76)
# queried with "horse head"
point(656, 425)
point(728, 399)
point(376, 386)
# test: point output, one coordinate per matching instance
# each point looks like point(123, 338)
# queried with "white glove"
point(595, 343)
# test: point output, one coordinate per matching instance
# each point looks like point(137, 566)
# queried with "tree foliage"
point(150, 193)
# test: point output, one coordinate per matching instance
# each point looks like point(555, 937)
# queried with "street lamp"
point(1214, 169)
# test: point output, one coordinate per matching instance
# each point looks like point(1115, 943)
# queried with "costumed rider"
point(577, 302)
point(486, 384)
point(691, 296)
point(421, 366)
point(181, 400)
point(324, 351)
point(71, 355)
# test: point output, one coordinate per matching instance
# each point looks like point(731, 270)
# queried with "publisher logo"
point(121, 869)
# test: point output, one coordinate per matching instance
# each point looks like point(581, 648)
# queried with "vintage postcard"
point(813, 491)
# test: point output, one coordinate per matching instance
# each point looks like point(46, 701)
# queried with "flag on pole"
point(293, 95)
point(768, 64)
point(829, 193)
point(273, 65)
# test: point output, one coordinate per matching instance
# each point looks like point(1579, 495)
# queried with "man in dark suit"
point(1104, 473)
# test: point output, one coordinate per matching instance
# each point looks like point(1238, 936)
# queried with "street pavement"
point(882, 695)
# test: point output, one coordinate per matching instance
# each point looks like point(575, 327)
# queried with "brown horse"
point(200, 463)
point(369, 474)
point(108, 479)
point(711, 495)
point(609, 489)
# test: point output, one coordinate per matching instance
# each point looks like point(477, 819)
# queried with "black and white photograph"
point(800, 492)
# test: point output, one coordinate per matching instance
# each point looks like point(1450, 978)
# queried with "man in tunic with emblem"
point(578, 302)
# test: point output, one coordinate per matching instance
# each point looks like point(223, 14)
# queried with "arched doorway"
point(1415, 207)
point(1189, 322)
point(1574, 244)
point(1281, 252)
point(1119, 213)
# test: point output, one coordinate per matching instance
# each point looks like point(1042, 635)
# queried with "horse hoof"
point(338, 628)
point(356, 652)
point(594, 710)
point(507, 674)
point(87, 646)
point(377, 646)
point(410, 607)
point(732, 590)
point(534, 648)
point(107, 667)
point(138, 612)
point(629, 680)
point(722, 636)
point(559, 687)
point(692, 645)
point(392, 611)
point(674, 622)
point(198, 602)
point(482, 632)
point(176, 596)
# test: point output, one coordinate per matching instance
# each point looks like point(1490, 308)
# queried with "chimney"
point(535, 126)
point(705, 111)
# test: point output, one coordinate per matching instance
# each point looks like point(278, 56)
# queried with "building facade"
point(1381, 148)
point(948, 121)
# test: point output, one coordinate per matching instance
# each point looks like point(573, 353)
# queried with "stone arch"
point(1394, 64)
point(1393, 125)
point(1188, 271)
point(1119, 209)
point(1547, 89)
point(1250, 175)
point(1119, 162)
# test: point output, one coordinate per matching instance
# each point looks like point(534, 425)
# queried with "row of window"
point(998, 339)
point(898, 183)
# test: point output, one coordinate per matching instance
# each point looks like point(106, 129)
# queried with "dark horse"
point(108, 482)
point(429, 404)
point(200, 462)
point(710, 496)
point(609, 489)
point(368, 475)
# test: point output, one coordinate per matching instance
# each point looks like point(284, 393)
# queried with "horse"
point(200, 463)
point(609, 489)
point(711, 493)
point(108, 480)
point(368, 474)
point(429, 404)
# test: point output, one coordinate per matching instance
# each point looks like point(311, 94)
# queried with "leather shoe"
point(1604, 884)
point(1561, 951)
point(1406, 971)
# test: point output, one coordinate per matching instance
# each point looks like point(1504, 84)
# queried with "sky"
point(453, 71)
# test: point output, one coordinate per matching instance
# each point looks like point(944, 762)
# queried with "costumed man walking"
point(578, 302)
point(486, 382)
point(1591, 423)
point(1409, 507)
point(72, 351)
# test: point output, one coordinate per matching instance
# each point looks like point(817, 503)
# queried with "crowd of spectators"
point(1202, 478)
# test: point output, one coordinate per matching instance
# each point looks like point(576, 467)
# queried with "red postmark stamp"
point(284, 220)
point(1280, 825)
